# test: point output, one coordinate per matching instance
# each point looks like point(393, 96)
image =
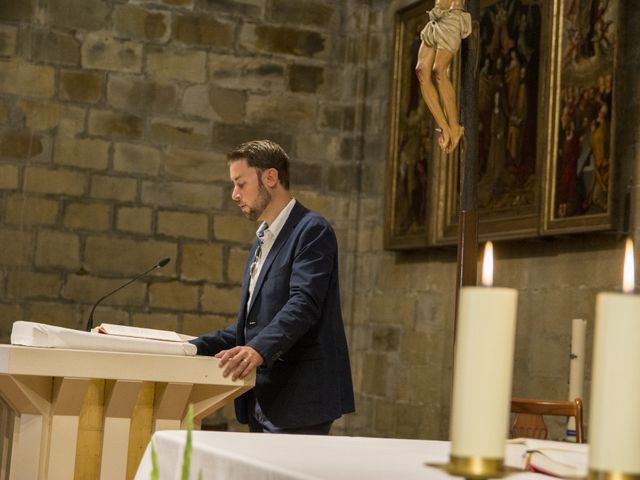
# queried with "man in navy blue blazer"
point(289, 327)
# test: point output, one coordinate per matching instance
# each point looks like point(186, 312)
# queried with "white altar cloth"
point(255, 456)
point(32, 334)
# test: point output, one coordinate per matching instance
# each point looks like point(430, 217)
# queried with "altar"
point(257, 456)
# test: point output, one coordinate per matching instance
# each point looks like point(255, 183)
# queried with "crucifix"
point(449, 23)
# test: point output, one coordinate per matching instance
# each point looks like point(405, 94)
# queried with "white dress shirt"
point(267, 235)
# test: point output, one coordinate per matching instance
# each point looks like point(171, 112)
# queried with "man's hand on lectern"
point(239, 361)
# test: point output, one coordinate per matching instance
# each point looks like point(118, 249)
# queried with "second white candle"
point(482, 372)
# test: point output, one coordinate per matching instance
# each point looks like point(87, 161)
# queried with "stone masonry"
point(115, 119)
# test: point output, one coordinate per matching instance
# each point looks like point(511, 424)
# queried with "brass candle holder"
point(612, 475)
point(475, 468)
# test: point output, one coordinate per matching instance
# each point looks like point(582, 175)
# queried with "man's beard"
point(264, 198)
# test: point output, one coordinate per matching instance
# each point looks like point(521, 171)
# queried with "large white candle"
point(614, 421)
point(483, 369)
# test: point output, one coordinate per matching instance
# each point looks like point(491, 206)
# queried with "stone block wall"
point(115, 119)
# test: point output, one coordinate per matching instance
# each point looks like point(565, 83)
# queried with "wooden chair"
point(529, 420)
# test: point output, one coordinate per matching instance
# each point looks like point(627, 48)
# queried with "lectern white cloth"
point(258, 456)
point(33, 334)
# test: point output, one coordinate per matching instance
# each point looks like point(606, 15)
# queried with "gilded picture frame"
point(535, 58)
point(410, 182)
point(580, 194)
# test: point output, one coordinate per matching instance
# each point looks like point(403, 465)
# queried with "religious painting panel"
point(514, 61)
point(580, 194)
point(413, 156)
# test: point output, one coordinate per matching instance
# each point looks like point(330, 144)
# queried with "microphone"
point(160, 264)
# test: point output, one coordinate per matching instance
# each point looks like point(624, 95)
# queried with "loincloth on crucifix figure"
point(448, 24)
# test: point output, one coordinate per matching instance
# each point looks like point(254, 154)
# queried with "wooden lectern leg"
point(46, 425)
point(207, 399)
point(29, 397)
point(25, 453)
point(120, 400)
point(6, 437)
point(68, 396)
point(170, 405)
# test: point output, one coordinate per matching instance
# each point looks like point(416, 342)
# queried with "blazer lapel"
point(244, 295)
point(296, 214)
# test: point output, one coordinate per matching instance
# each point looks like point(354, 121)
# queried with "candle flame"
point(628, 277)
point(487, 265)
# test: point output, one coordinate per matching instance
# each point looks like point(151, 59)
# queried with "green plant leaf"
point(186, 459)
point(155, 473)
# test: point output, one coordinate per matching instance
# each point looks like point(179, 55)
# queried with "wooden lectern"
point(90, 414)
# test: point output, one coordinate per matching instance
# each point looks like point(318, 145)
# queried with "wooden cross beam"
point(468, 220)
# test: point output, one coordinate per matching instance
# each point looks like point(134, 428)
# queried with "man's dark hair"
point(263, 154)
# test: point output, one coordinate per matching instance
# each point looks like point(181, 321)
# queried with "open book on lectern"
point(139, 332)
point(118, 338)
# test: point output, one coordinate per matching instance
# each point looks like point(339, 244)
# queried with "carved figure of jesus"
point(448, 24)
